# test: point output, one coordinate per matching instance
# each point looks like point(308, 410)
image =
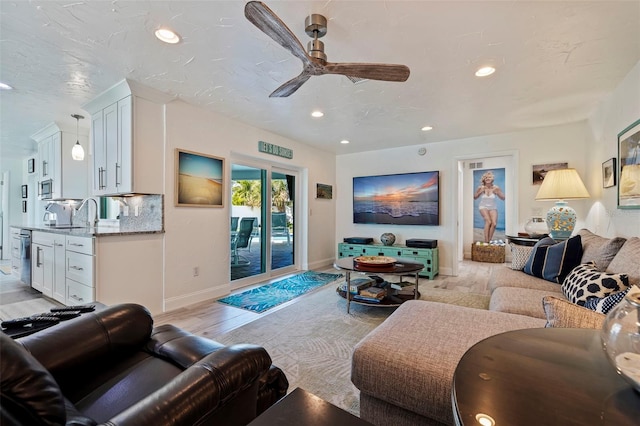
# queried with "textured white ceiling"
point(556, 60)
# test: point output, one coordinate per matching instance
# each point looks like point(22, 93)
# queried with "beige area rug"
point(312, 340)
point(5, 269)
point(26, 308)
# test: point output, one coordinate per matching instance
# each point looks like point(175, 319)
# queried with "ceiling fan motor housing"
point(316, 27)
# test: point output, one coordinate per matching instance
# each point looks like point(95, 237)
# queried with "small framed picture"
point(324, 191)
point(24, 191)
point(31, 165)
point(629, 167)
point(609, 173)
point(24, 207)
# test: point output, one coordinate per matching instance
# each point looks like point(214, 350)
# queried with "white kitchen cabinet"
point(16, 261)
point(80, 278)
point(42, 262)
point(63, 267)
point(127, 137)
point(69, 177)
point(59, 279)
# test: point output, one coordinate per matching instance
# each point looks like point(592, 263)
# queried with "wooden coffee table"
point(542, 376)
point(302, 408)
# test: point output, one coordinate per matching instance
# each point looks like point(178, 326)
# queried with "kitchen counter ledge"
point(100, 231)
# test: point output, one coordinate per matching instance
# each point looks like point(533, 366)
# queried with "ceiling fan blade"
point(384, 72)
point(268, 22)
point(290, 86)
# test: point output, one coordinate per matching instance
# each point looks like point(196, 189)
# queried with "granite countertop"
point(100, 231)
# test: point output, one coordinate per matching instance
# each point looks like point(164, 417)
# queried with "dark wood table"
point(547, 376)
point(399, 267)
point(524, 241)
point(302, 408)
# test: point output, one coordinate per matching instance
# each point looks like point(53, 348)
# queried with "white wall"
point(200, 236)
point(618, 111)
point(567, 143)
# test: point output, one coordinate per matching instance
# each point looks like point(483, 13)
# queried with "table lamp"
point(561, 185)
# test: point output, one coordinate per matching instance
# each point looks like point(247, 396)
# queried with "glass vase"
point(621, 338)
point(536, 227)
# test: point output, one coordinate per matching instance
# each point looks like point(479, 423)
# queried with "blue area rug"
point(267, 296)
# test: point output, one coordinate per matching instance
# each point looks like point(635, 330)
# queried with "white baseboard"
point(200, 296)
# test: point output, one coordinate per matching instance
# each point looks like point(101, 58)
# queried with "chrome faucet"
point(95, 219)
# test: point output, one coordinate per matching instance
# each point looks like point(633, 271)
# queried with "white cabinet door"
point(59, 268)
point(110, 117)
point(55, 164)
point(42, 269)
point(99, 152)
point(124, 166)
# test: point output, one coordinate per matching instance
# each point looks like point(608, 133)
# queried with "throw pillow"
point(585, 281)
point(627, 261)
point(553, 261)
point(599, 249)
point(561, 313)
point(519, 256)
point(604, 304)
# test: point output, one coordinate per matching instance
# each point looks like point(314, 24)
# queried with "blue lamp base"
point(561, 220)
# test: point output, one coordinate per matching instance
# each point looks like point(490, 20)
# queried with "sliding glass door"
point(262, 218)
point(282, 219)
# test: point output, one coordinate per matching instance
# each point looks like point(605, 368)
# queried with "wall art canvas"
point(199, 180)
point(629, 167)
point(324, 191)
point(488, 205)
point(400, 199)
point(540, 170)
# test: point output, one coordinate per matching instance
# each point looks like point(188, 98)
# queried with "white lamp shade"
point(77, 152)
point(562, 184)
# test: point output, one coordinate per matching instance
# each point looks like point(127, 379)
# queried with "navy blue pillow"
point(553, 261)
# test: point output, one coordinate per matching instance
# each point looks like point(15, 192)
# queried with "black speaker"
point(420, 243)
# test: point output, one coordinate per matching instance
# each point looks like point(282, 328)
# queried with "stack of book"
point(357, 285)
point(371, 294)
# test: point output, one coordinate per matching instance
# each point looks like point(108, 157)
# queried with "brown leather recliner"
point(112, 367)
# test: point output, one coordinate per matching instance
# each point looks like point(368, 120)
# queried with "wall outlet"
point(196, 271)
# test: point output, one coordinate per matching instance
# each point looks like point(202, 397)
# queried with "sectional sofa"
point(404, 368)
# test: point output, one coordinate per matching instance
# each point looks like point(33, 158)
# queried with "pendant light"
point(77, 153)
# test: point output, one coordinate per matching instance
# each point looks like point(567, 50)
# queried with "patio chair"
point(234, 223)
point(242, 239)
point(279, 226)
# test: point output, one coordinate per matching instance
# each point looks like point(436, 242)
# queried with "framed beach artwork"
point(199, 180)
point(398, 199)
point(540, 171)
point(324, 191)
point(629, 167)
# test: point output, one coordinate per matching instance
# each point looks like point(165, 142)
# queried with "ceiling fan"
point(315, 62)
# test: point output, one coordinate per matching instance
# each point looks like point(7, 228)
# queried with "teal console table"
point(427, 256)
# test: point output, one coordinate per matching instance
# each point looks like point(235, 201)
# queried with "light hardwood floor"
point(211, 318)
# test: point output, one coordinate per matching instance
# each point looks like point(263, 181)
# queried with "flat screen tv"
point(400, 199)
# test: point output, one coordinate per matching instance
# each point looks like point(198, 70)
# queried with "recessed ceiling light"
point(485, 71)
point(426, 128)
point(167, 36)
point(344, 141)
point(5, 86)
point(317, 114)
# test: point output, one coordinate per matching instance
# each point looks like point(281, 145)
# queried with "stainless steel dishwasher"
point(25, 256)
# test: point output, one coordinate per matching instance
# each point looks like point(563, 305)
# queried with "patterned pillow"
point(519, 256)
point(585, 281)
point(604, 304)
point(553, 262)
point(564, 314)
